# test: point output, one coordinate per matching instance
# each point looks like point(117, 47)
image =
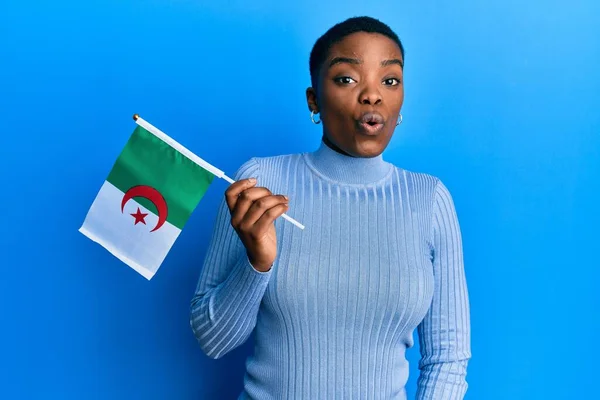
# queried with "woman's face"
point(359, 94)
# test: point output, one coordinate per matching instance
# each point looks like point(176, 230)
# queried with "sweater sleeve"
point(444, 333)
point(225, 304)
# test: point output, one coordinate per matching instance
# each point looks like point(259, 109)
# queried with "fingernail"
point(286, 198)
point(252, 180)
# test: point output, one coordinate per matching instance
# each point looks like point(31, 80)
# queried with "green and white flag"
point(147, 198)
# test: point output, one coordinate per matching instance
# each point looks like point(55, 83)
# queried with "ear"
point(311, 100)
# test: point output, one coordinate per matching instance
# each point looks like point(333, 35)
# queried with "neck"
point(332, 146)
point(337, 166)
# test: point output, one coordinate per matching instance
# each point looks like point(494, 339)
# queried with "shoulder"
point(417, 176)
point(421, 184)
point(267, 167)
point(425, 188)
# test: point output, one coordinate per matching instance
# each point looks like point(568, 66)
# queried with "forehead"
point(367, 46)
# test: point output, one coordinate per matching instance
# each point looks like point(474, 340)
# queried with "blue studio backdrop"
point(502, 102)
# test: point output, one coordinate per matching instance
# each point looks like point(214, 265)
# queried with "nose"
point(370, 95)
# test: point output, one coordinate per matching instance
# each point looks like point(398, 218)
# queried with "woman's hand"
point(253, 212)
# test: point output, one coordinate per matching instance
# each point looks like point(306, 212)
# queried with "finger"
point(269, 216)
point(259, 207)
point(233, 191)
point(244, 201)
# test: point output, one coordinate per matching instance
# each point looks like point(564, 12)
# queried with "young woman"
point(334, 307)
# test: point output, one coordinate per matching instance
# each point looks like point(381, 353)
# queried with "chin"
point(360, 146)
point(366, 151)
point(370, 148)
point(371, 154)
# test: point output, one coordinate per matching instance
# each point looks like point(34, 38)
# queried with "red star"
point(139, 217)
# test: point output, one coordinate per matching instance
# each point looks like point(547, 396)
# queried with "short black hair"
point(338, 32)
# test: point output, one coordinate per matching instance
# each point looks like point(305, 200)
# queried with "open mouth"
point(371, 122)
point(372, 118)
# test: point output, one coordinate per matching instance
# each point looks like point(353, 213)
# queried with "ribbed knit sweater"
point(381, 256)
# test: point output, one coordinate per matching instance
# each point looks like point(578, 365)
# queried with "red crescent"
point(151, 194)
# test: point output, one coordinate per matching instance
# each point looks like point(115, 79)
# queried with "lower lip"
point(371, 129)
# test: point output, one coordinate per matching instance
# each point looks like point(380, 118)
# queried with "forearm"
point(442, 381)
point(225, 305)
point(444, 333)
point(223, 317)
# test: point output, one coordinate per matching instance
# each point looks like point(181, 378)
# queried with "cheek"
point(336, 103)
point(395, 99)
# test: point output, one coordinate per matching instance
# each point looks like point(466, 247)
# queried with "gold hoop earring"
point(312, 118)
point(400, 119)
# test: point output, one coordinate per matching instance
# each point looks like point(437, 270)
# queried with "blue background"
point(502, 103)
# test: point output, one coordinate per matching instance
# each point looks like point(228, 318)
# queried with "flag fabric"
point(147, 198)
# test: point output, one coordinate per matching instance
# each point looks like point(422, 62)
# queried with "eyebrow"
point(393, 61)
point(346, 60)
point(356, 61)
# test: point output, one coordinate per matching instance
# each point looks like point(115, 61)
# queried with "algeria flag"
point(149, 194)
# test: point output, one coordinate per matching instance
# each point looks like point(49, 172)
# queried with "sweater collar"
point(346, 169)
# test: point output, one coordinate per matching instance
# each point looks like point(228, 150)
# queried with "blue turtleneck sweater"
point(380, 256)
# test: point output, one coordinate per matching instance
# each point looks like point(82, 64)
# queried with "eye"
point(344, 80)
point(391, 81)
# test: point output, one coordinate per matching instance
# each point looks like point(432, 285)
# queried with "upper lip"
point(372, 118)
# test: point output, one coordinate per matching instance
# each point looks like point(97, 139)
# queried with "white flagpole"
point(177, 146)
